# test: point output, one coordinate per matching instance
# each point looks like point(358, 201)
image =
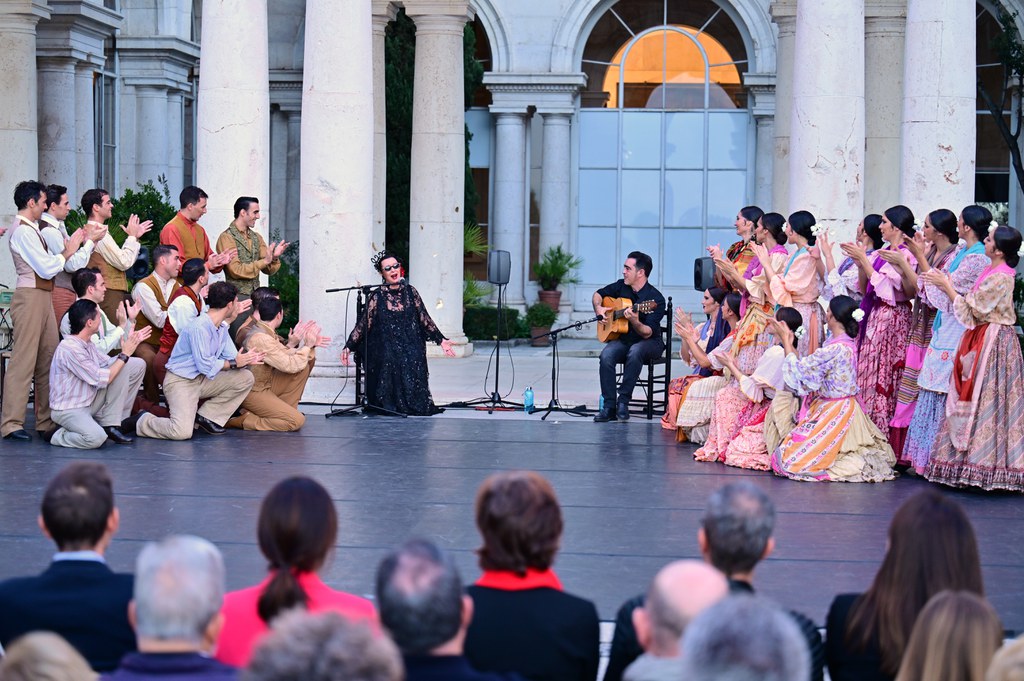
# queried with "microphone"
point(401, 281)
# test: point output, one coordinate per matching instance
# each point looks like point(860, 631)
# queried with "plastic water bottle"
point(528, 400)
point(600, 403)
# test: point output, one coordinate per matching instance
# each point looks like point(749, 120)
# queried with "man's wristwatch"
point(123, 357)
point(232, 364)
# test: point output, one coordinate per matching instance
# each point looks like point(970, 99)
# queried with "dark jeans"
point(634, 356)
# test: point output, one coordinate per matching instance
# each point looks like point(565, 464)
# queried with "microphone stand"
point(553, 403)
point(362, 400)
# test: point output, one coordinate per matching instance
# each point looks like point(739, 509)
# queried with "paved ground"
point(632, 498)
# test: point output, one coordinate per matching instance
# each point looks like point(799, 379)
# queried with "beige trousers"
point(223, 394)
point(275, 409)
point(83, 428)
point(35, 340)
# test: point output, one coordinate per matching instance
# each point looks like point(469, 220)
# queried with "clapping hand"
point(346, 357)
point(129, 344)
point(95, 232)
point(855, 251)
point(279, 250)
point(782, 332)
point(243, 306)
point(136, 228)
point(715, 251)
point(249, 357)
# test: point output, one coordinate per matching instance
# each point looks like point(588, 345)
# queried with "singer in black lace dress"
point(390, 341)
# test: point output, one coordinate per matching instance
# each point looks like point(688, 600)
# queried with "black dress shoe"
point(622, 410)
point(605, 415)
point(115, 434)
point(209, 426)
point(129, 424)
point(19, 434)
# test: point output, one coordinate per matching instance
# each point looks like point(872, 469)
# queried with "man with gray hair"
point(179, 589)
point(735, 535)
point(744, 638)
point(680, 591)
point(424, 608)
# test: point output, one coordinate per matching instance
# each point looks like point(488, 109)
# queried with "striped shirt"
point(202, 349)
point(78, 371)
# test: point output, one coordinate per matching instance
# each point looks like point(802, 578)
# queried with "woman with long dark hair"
point(844, 279)
point(710, 334)
point(297, 528)
point(981, 442)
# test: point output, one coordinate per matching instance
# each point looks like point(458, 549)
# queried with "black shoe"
point(604, 415)
point(118, 438)
point(209, 426)
point(48, 434)
point(129, 424)
point(20, 434)
point(622, 410)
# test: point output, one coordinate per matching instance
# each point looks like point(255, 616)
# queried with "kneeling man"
point(92, 393)
point(204, 365)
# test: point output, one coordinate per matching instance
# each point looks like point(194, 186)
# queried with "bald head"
point(680, 591)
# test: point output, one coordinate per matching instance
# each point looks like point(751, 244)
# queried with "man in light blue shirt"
point(204, 365)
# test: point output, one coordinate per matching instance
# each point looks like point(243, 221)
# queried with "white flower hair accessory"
point(918, 225)
point(785, 225)
point(817, 229)
point(1020, 251)
point(993, 225)
point(799, 333)
point(858, 315)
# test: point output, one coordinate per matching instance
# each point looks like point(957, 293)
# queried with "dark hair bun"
point(842, 309)
point(801, 223)
point(1008, 241)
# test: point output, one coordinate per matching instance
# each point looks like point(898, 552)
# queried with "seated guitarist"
point(641, 343)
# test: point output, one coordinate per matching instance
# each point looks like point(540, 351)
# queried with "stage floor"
point(632, 500)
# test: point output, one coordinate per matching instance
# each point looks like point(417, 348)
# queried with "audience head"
point(801, 223)
point(165, 260)
point(931, 548)
point(790, 316)
point(220, 295)
point(30, 195)
point(520, 521)
point(78, 510)
point(954, 639)
point(712, 300)
point(897, 218)
point(1007, 241)
point(736, 530)
point(744, 638)
point(1008, 663)
point(179, 590)
point(192, 271)
point(977, 219)
point(841, 308)
point(323, 647)
point(81, 312)
point(249, 205)
point(944, 222)
point(89, 278)
point(269, 309)
point(642, 262)
point(680, 591)
point(44, 656)
point(97, 205)
point(297, 528)
point(732, 307)
point(420, 598)
point(873, 232)
point(57, 203)
point(774, 224)
point(193, 202)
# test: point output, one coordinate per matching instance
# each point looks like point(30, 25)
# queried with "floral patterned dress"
point(981, 442)
point(833, 439)
point(798, 286)
point(843, 281)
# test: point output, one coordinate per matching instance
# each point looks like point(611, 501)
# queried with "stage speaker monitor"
point(140, 270)
point(499, 267)
point(703, 273)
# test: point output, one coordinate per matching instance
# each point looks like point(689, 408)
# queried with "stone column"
point(555, 188)
point(336, 198)
point(383, 12)
point(508, 223)
point(85, 132)
point(438, 160)
point(150, 132)
point(884, 24)
point(233, 116)
point(784, 15)
point(826, 159)
point(176, 145)
point(57, 130)
point(294, 187)
point(278, 172)
point(18, 114)
point(762, 87)
point(939, 106)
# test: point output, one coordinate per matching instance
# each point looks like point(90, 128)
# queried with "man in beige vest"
point(51, 226)
point(153, 294)
point(35, 329)
point(110, 259)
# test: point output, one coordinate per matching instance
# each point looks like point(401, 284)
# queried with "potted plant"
point(556, 266)
point(540, 317)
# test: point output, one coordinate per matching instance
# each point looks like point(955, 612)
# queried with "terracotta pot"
point(543, 341)
point(550, 298)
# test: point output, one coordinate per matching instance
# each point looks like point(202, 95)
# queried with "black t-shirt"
point(652, 319)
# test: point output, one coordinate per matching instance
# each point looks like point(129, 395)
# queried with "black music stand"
point(553, 403)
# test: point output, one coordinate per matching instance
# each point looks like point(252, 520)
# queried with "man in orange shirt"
point(186, 234)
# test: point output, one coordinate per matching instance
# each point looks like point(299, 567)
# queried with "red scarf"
point(506, 580)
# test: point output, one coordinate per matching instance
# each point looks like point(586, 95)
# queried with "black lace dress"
point(396, 327)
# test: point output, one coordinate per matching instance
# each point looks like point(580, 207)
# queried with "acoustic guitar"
point(615, 323)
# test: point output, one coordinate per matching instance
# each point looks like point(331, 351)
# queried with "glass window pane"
point(645, 240)
point(684, 140)
point(684, 198)
point(727, 140)
point(479, 123)
point(727, 193)
point(599, 139)
point(641, 198)
point(641, 140)
point(597, 197)
point(682, 247)
point(596, 246)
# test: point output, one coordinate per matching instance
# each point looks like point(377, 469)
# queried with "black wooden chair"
point(655, 377)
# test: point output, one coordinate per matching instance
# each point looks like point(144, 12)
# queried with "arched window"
point(665, 139)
